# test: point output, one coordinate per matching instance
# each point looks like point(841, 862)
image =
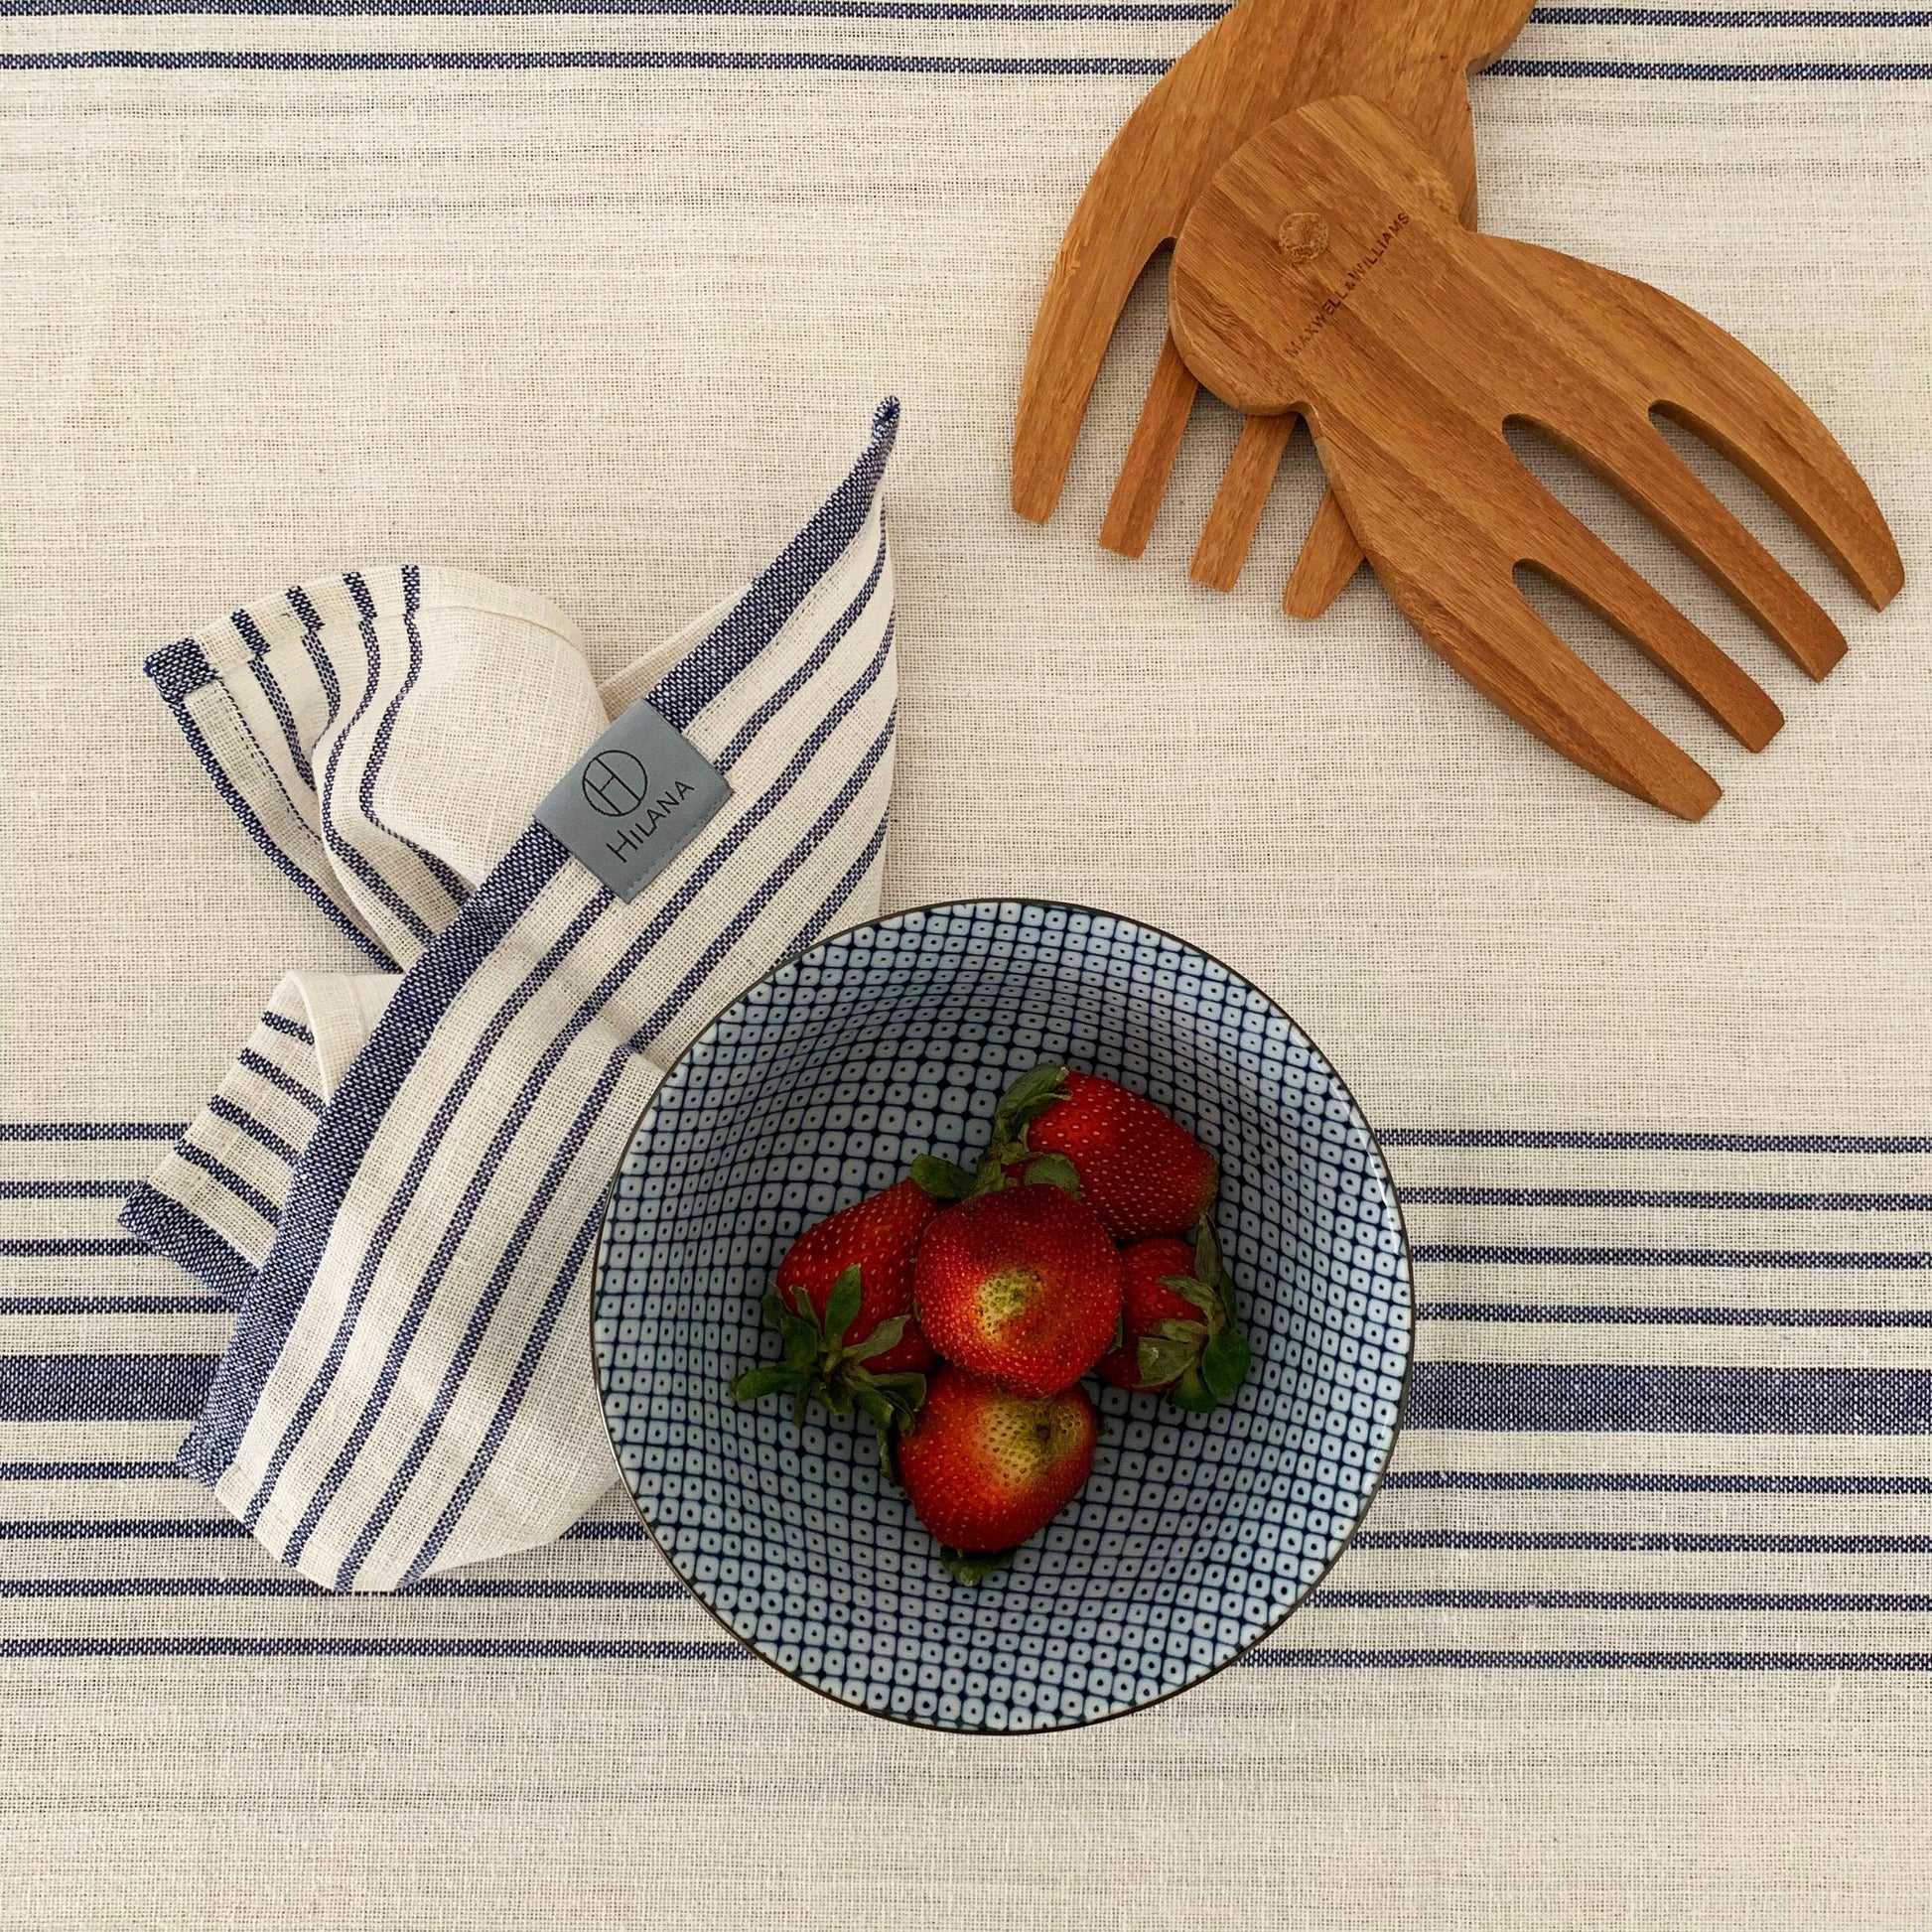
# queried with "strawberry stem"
point(973, 1566)
point(819, 1366)
point(1204, 1361)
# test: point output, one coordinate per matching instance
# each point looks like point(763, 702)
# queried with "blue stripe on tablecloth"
point(1602, 1399)
point(1700, 1318)
point(1513, 1255)
point(105, 1388)
point(1740, 1201)
point(1293, 1658)
point(1649, 1140)
point(524, 61)
point(65, 1189)
point(1689, 1483)
point(105, 1470)
point(1870, 1602)
point(82, 1304)
point(998, 12)
point(614, 1589)
point(67, 1247)
point(629, 1649)
point(1671, 1399)
point(1676, 1543)
point(650, 1589)
point(661, 1650)
point(112, 1529)
point(1652, 1140)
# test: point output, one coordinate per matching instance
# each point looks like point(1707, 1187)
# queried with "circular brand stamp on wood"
point(1302, 237)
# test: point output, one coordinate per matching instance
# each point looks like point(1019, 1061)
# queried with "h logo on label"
point(616, 783)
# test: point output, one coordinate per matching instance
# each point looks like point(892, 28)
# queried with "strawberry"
point(1178, 1329)
point(986, 1468)
point(1021, 1286)
point(842, 1300)
point(878, 1236)
point(1144, 1298)
point(1140, 1171)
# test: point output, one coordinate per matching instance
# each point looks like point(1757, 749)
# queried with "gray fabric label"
point(635, 800)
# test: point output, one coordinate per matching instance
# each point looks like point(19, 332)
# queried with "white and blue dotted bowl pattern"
point(1195, 1534)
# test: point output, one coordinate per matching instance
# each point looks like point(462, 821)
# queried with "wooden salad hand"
point(1262, 61)
point(1324, 272)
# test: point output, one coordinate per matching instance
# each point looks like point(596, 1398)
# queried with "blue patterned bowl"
point(1195, 1535)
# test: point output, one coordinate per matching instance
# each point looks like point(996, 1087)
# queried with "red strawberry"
point(1140, 1171)
point(843, 1301)
point(1022, 1285)
point(1143, 1301)
point(986, 1468)
point(878, 1236)
point(1178, 1323)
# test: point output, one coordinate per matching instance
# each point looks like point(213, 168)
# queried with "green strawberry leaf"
point(1054, 1171)
point(941, 1180)
point(756, 1382)
point(802, 1342)
point(973, 1566)
point(776, 1311)
point(990, 1174)
point(885, 1424)
point(1224, 1363)
point(1207, 1254)
point(1192, 1393)
point(1162, 1359)
point(887, 1336)
point(1191, 1333)
point(1030, 1096)
point(1204, 1298)
point(842, 1306)
point(904, 1392)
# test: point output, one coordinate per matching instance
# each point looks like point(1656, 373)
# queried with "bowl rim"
point(1369, 1496)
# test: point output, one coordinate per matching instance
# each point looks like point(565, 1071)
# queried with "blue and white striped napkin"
point(401, 1180)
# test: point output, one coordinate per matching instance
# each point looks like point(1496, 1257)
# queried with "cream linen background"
point(594, 332)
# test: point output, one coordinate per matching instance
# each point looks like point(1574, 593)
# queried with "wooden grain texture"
point(1326, 272)
point(1329, 557)
point(1229, 533)
point(1143, 478)
point(1260, 62)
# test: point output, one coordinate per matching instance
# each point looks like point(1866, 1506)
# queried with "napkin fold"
point(401, 1180)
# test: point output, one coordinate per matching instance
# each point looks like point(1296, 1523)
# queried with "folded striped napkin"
point(401, 1179)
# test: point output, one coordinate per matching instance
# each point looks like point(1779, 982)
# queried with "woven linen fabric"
point(383, 736)
point(1641, 1629)
point(408, 1387)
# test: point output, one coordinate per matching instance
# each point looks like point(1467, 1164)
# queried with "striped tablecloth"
point(581, 297)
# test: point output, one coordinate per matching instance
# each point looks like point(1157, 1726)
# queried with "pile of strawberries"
point(960, 1310)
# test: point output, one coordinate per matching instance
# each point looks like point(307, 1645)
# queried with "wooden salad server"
point(1262, 61)
point(1324, 272)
